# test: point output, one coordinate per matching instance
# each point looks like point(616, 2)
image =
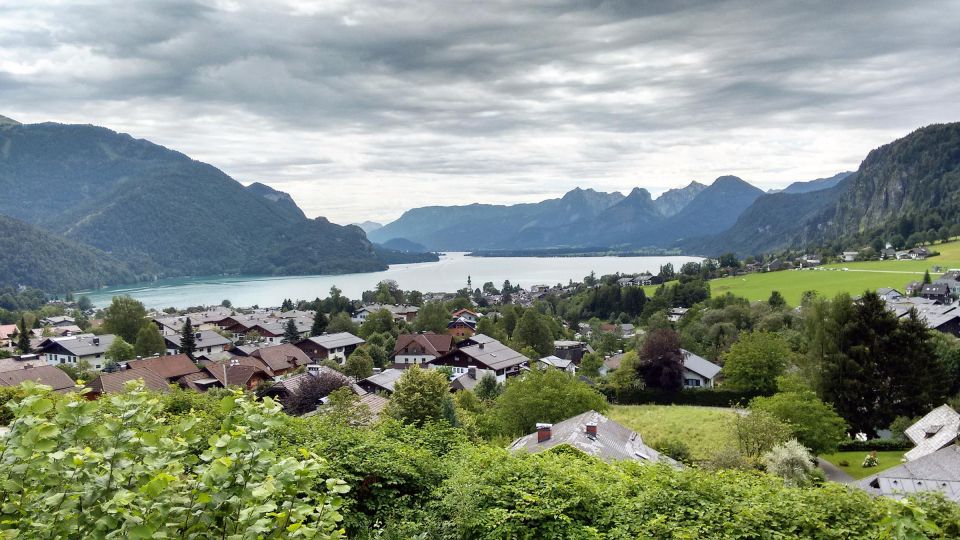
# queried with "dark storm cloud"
point(546, 95)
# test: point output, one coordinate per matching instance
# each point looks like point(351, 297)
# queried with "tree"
point(124, 317)
point(252, 337)
point(590, 365)
point(432, 317)
point(119, 350)
point(129, 445)
point(758, 432)
point(311, 390)
point(358, 365)
point(84, 303)
point(776, 300)
point(23, 337)
point(661, 361)
point(814, 423)
point(548, 395)
point(287, 305)
point(755, 361)
point(378, 321)
point(341, 323)
point(926, 277)
point(790, 461)
point(319, 325)
point(226, 303)
point(188, 342)
point(627, 377)
point(149, 341)
point(533, 332)
point(344, 407)
point(488, 388)
point(290, 332)
point(418, 396)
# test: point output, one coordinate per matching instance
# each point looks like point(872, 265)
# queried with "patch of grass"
point(886, 459)
point(704, 429)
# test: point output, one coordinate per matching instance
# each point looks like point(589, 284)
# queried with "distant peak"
point(639, 192)
point(5, 121)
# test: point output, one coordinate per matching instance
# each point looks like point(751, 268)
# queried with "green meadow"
point(704, 429)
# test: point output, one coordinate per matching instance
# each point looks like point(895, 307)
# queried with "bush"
point(674, 449)
point(870, 460)
point(707, 397)
point(790, 461)
point(843, 463)
point(880, 445)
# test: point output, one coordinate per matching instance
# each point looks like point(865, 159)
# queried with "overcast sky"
point(362, 109)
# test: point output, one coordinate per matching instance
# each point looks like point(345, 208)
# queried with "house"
point(698, 372)
point(467, 315)
point(850, 256)
point(470, 379)
point(55, 322)
point(381, 382)
point(611, 363)
point(643, 279)
point(776, 265)
point(413, 349)
point(205, 341)
point(461, 328)
point(913, 288)
point(919, 253)
point(482, 352)
point(275, 330)
point(281, 359)
point(400, 312)
point(7, 333)
point(888, 254)
point(937, 316)
point(557, 363)
point(571, 350)
point(952, 281)
point(677, 313)
point(625, 330)
point(939, 292)
point(932, 465)
point(51, 376)
point(336, 346)
point(593, 434)
point(74, 350)
point(115, 382)
point(248, 374)
point(888, 294)
point(170, 368)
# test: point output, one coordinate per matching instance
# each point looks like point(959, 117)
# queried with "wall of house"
point(690, 380)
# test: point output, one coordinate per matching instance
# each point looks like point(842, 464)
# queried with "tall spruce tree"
point(188, 342)
point(319, 323)
point(290, 332)
point(23, 340)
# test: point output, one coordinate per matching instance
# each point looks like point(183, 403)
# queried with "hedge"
point(707, 397)
point(880, 445)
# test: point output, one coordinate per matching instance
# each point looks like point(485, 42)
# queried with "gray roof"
point(937, 429)
point(493, 354)
point(386, 378)
point(939, 471)
point(208, 338)
point(334, 341)
point(556, 362)
point(613, 441)
point(84, 344)
point(699, 365)
point(401, 309)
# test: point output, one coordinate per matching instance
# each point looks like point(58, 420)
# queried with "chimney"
point(543, 432)
point(592, 429)
point(197, 335)
point(481, 346)
point(472, 372)
point(96, 341)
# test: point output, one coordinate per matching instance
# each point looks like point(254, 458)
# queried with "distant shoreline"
point(572, 252)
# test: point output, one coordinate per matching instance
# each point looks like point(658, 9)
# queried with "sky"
point(362, 109)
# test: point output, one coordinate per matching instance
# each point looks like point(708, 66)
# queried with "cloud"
point(364, 108)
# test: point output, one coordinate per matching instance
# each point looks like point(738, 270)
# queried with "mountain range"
point(144, 211)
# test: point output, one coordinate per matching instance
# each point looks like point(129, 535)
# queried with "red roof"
point(111, 383)
point(282, 357)
point(48, 375)
point(435, 344)
point(169, 367)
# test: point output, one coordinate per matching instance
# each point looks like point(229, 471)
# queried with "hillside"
point(715, 208)
point(816, 185)
point(160, 212)
point(674, 200)
point(35, 258)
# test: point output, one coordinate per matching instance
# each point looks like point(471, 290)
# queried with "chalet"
point(936, 316)
point(850, 256)
point(170, 368)
point(115, 382)
point(461, 328)
point(336, 346)
point(205, 341)
point(400, 312)
point(677, 313)
point(482, 352)
point(776, 265)
point(913, 288)
point(919, 253)
point(952, 280)
point(76, 349)
point(54, 322)
point(382, 382)
point(593, 434)
point(888, 295)
point(467, 315)
point(571, 350)
point(413, 349)
point(888, 254)
point(611, 363)
point(933, 465)
point(282, 359)
point(470, 379)
point(48, 375)
point(554, 362)
point(7, 333)
point(698, 372)
point(939, 292)
point(236, 372)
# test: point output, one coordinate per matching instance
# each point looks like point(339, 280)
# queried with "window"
point(691, 382)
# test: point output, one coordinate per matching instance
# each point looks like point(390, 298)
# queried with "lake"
point(447, 275)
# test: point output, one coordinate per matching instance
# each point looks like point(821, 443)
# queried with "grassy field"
point(887, 460)
point(703, 429)
point(831, 279)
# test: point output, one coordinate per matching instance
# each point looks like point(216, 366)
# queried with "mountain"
point(283, 200)
point(402, 244)
point(715, 208)
point(816, 185)
point(160, 212)
point(674, 200)
point(909, 186)
point(369, 226)
point(39, 259)
point(490, 226)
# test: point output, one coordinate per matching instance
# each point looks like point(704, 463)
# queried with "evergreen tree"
point(188, 342)
point(290, 332)
point(119, 351)
point(926, 277)
point(287, 305)
point(23, 340)
point(358, 365)
point(776, 300)
point(319, 323)
point(149, 341)
point(533, 332)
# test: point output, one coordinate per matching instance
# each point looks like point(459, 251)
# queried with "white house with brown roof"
point(482, 352)
point(413, 349)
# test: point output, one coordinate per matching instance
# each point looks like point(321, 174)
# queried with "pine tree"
point(23, 340)
point(319, 324)
point(188, 342)
point(290, 333)
point(926, 278)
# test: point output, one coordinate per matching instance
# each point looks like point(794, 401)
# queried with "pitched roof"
point(293, 383)
point(386, 379)
point(236, 375)
point(168, 367)
point(282, 357)
point(375, 402)
point(554, 361)
point(207, 338)
point(109, 383)
point(334, 341)
point(935, 430)
point(48, 375)
point(938, 471)
point(613, 442)
point(435, 344)
point(7, 330)
point(699, 365)
point(490, 353)
point(82, 345)
point(199, 381)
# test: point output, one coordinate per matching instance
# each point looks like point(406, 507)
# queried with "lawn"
point(703, 429)
point(887, 460)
